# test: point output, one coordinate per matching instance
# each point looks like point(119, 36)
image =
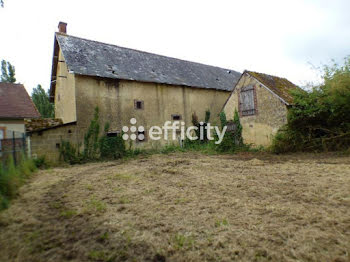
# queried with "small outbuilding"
point(262, 102)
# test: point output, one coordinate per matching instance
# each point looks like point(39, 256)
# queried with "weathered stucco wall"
point(65, 105)
point(260, 128)
point(115, 100)
point(47, 143)
point(12, 125)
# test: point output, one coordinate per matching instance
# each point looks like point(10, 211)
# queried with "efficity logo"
point(174, 130)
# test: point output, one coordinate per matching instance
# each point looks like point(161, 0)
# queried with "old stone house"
point(125, 83)
point(262, 102)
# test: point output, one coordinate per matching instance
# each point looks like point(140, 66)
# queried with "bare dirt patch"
point(184, 207)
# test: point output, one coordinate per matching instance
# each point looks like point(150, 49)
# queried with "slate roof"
point(15, 102)
point(91, 58)
point(280, 86)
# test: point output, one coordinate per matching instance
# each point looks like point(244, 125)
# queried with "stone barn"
point(126, 83)
point(262, 102)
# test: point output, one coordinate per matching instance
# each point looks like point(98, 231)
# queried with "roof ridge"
point(248, 71)
point(7, 83)
point(145, 52)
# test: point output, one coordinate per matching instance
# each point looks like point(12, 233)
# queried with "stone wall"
point(65, 102)
point(47, 142)
point(258, 129)
point(116, 101)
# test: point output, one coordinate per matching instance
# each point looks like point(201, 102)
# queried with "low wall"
point(47, 142)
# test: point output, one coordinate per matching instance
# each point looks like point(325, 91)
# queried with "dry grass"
point(184, 207)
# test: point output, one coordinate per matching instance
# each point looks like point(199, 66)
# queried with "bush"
point(41, 163)
point(171, 149)
point(26, 166)
point(111, 147)
point(319, 119)
point(91, 138)
point(70, 154)
point(231, 141)
point(107, 147)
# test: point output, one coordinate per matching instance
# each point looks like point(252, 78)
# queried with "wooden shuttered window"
point(247, 101)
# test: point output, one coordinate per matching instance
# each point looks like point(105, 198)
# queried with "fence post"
point(14, 147)
point(24, 143)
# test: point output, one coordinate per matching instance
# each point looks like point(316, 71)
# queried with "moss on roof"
point(280, 86)
point(41, 123)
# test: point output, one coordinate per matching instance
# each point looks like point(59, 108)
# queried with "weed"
point(68, 213)
point(56, 205)
point(182, 201)
point(41, 162)
point(124, 200)
point(101, 255)
point(171, 149)
point(89, 187)
point(183, 242)
point(103, 237)
point(118, 189)
point(12, 177)
point(122, 177)
point(220, 223)
point(149, 191)
point(96, 206)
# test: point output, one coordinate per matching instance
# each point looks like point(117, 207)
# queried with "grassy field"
point(184, 207)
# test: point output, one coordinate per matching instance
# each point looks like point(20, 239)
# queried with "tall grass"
point(12, 177)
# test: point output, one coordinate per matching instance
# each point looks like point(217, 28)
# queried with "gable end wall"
point(258, 129)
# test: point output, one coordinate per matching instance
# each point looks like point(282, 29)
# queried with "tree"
point(1, 3)
point(42, 102)
point(7, 72)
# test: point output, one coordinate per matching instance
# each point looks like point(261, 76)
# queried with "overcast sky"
point(274, 37)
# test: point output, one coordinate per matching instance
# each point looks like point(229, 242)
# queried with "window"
point(113, 134)
point(138, 104)
point(176, 117)
point(247, 101)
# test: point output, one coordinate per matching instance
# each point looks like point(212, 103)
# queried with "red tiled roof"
point(15, 102)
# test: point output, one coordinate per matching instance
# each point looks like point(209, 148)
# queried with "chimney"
point(62, 27)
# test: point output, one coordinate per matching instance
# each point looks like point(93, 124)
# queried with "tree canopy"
point(42, 102)
point(7, 72)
